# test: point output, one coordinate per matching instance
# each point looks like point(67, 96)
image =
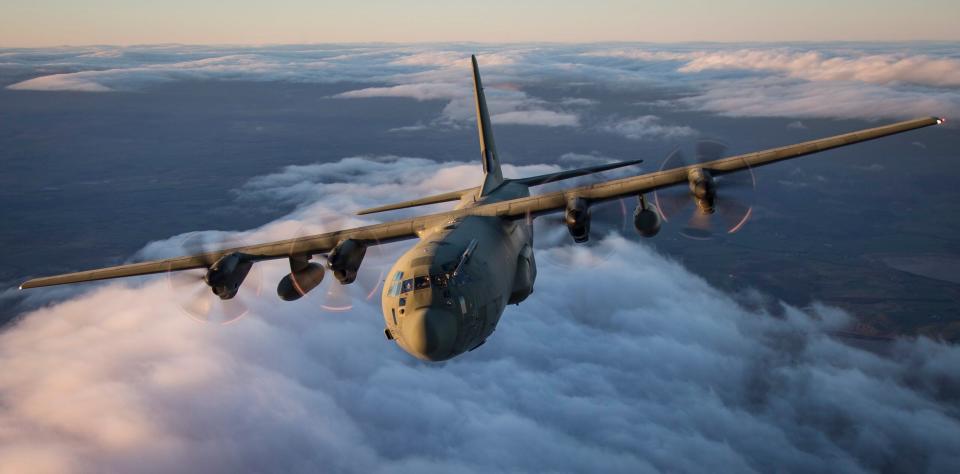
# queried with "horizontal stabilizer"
point(438, 198)
point(531, 181)
point(560, 175)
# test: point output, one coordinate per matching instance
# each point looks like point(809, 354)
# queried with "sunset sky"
point(817, 333)
point(61, 22)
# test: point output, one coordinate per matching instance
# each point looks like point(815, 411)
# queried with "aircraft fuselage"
point(446, 294)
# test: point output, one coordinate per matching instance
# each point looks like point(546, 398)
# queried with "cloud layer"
point(813, 65)
point(818, 80)
point(671, 375)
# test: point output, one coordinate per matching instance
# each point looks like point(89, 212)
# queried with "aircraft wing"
point(635, 185)
point(515, 208)
point(309, 245)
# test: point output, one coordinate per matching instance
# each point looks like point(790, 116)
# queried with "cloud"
point(537, 117)
point(672, 375)
point(773, 97)
point(827, 80)
point(797, 125)
point(107, 73)
point(61, 82)
point(579, 160)
point(409, 128)
point(647, 127)
point(808, 83)
point(810, 65)
point(446, 78)
point(578, 101)
point(413, 91)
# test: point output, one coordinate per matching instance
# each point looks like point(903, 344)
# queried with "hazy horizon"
point(102, 22)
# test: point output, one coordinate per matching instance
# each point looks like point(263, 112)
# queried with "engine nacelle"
point(703, 188)
point(577, 218)
point(345, 260)
point(298, 283)
point(227, 274)
point(646, 219)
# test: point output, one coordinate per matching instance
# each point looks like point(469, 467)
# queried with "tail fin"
point(492, 176)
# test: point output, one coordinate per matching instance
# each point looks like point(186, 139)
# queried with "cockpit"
point(440, 281)
point(427, 303)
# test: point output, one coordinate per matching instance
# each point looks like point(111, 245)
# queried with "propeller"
point(331, 295)
point(196, 296)
point(730, 207)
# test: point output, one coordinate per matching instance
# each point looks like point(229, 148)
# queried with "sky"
point(622, 360)
point(30, 23)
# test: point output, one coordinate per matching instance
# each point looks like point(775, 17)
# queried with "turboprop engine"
point(577, 218)
point(345, 260)
point(646, 218)
point(227, 274)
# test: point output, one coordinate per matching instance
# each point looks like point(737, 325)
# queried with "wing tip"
point(941, 120)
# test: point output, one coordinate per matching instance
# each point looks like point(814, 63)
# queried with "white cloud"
point(772, 97)
point(579, 160)
point(810, 83)
point(815, 66)
point(414, 91)
point(546, 118)
point(647, 127)
point(577, 101)
point(758, 81)
point(409, 128)
point(61, 82)
point(258, 66)
point(812, 65)
point(797, 125)
point(670, 376)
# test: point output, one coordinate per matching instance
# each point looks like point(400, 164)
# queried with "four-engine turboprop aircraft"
point(445, 295)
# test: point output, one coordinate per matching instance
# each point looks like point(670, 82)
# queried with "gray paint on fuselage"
point(441, 322)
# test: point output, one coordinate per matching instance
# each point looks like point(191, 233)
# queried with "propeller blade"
point(199, 302)
point(734, 214)
point(185, 280)
point(731, 208)
point(673, 204)
point(336, 298)
point(228, 311)
point(709, 150)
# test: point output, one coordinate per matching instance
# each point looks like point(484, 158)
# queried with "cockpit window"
point(437, 280)
point(395, 286)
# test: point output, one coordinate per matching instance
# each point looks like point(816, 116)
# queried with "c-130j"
point(445, 295)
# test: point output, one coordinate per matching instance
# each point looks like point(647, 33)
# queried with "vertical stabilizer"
point(492, 176)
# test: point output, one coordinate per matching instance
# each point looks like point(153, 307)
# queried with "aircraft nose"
point(429, 333)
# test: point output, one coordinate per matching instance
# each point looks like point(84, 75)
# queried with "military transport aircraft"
point(445, 295)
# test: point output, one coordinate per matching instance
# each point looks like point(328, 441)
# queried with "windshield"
point(436, 280)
